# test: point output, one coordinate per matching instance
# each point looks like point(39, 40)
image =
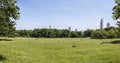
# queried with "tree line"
point(48, 33)
point(106, 33)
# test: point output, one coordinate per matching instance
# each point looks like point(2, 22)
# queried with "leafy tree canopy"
point(116, 10)
point(9, 12)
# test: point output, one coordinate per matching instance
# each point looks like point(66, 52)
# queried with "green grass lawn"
point(59, 50)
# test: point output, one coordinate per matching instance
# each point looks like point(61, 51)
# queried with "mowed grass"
point(59, 50)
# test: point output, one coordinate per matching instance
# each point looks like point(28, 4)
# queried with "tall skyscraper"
point(108, 25)
point(101, 24)
point(69, 28)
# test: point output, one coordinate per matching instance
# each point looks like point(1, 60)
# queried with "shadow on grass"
point(112, 42)
point(115, 42)
point(5, 39)
point(2, 58)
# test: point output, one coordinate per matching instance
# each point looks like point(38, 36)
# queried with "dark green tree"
point(65, 33)
point(116, 14)
point(111, 34)
point(110, 28)
point(87, 33)
point(116, 10)
point(9, 12)
point(74, 34)
point(99, 34)
point(80, 33)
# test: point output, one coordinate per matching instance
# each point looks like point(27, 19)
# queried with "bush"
point(74, 34)
point(87, 33)
point(112, 34)
point(99, 34)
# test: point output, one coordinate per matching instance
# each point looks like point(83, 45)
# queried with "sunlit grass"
point(59, 50)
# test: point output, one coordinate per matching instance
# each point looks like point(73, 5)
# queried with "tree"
point(99, 34)
point(116, 10)
point(111, 34)
point(80, 33)
point(116, 14)
point(87, 33)
point(24, 33)
point(9, 12)
point(74, 34)
point(65, 33)
point(110, 28)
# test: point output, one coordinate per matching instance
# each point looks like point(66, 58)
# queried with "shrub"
point(99, 34)
point(111, 34)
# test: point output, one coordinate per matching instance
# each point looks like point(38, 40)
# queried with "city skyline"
point(62, 14)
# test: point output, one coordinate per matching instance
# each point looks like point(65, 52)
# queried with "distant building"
point(69, 28)
point(101, 24)
point(49, 26)
point(108, 25)
point(76, 30)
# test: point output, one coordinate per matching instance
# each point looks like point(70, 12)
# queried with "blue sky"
point(61, 14)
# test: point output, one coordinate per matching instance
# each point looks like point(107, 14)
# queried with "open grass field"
point(59, 50)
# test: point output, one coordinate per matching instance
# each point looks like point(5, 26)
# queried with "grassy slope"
point(31, 50)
